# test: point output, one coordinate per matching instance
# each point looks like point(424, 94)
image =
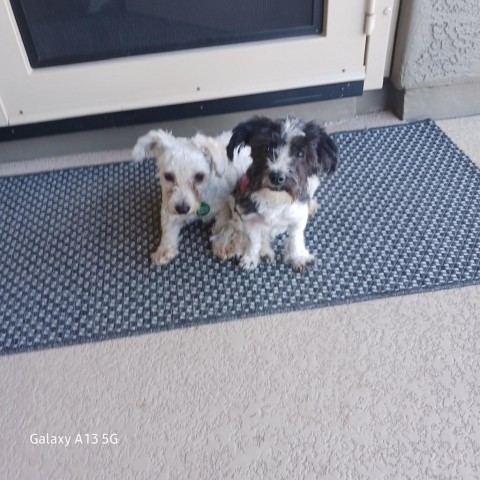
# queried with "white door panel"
point(34, 95)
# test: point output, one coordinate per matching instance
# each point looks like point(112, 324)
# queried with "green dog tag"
point(203, 210)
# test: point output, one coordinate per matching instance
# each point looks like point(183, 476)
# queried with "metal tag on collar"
point(203, 210)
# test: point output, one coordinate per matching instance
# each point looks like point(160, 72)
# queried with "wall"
point(438, 45)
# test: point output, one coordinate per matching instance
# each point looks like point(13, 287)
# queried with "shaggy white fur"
point(196, 178)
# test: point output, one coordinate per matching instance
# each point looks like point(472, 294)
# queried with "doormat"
point(400, 215)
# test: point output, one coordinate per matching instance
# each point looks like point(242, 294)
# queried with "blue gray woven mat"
point(401, 215)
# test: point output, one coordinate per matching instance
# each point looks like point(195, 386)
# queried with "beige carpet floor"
point(386, 389)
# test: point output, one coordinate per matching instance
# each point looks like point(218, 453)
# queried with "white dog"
point(196, 178)
point(276, 194)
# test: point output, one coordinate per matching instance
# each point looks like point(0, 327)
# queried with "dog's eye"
point(199, 177)
point(169, 177)
point(267, 148)
point(300, 153)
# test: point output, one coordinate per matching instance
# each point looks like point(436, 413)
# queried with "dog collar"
point(244, 184)
point(203, 210)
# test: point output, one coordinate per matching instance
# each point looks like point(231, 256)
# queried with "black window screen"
point(59, 32)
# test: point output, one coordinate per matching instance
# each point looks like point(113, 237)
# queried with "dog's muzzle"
point(277, 179)
point(182, 208)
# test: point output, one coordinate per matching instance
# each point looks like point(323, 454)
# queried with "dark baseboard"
point(182, 111)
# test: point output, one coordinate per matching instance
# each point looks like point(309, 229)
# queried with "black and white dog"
point(277, 192)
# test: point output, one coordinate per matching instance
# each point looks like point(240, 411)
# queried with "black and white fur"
point(277, 192)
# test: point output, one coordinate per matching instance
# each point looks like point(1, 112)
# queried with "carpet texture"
point(401, 215)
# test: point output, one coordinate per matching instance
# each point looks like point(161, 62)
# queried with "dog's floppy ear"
point(241, 135)
point(325, 147)
point(154, 142)
point(213, 151)
point(327, 153)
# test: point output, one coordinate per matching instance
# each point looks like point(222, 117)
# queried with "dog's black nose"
point(182, 208)
point(277, 178)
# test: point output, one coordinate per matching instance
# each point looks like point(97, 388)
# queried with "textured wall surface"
point(438, 43)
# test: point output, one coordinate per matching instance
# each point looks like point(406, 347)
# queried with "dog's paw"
point(226, 249)
point(219, 251)
point(312, 208)
point(228, 243)
point(224, 252)
point(163, 255)
point(267, 254)
point(249, 262)
point(302, 262)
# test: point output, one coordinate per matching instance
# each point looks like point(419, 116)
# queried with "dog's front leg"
point(168, 248)
point(266, 252)
point(251, 257)
point(297, 254)
point(312, 208)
